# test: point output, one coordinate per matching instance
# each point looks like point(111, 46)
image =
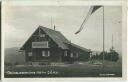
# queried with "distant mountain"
point(12, 55)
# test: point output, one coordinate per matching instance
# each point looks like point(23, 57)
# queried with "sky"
point(21, 21)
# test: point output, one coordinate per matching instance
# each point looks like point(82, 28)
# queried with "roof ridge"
point(48, 28)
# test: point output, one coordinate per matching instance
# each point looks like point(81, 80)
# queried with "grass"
point(110, 69)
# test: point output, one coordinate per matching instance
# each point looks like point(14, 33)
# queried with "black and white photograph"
point(48, 41)
point(0, 40)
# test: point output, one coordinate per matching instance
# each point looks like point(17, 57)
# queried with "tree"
point(114, 56)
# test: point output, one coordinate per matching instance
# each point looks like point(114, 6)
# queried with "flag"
point(91, 11)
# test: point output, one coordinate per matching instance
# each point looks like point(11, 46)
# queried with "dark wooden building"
point(47, 45)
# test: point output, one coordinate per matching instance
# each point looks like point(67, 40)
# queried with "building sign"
point(43, 44)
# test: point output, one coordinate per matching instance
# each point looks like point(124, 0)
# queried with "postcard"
point(63, 40)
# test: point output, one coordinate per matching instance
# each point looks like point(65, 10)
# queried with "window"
point(71, 55)
point(29, 53)
point(45, 53)
point(48, 53)
point(42, 35)
point(65, 53)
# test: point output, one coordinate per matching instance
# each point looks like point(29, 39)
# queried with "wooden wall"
point(56, 53)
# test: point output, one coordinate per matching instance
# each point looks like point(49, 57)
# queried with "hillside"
point(12, 55)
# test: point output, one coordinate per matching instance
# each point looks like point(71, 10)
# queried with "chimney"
point(54, 27)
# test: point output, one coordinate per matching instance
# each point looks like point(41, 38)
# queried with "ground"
point(81, 69)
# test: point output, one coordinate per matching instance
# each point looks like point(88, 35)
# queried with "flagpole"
point(112, 41)
point(51, 22)
point(103, 38)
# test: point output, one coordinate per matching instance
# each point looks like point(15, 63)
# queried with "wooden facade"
point(47, 45)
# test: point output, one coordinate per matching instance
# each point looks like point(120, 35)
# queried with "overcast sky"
point(21, 21)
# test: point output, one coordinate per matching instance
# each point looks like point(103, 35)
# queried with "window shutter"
point(48, 53)
point(65, 53)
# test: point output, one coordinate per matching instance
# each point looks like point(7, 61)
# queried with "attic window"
point(42, 35)
point(29, 53)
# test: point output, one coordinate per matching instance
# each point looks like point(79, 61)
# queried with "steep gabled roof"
point(56, 36)
point(59, 39)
